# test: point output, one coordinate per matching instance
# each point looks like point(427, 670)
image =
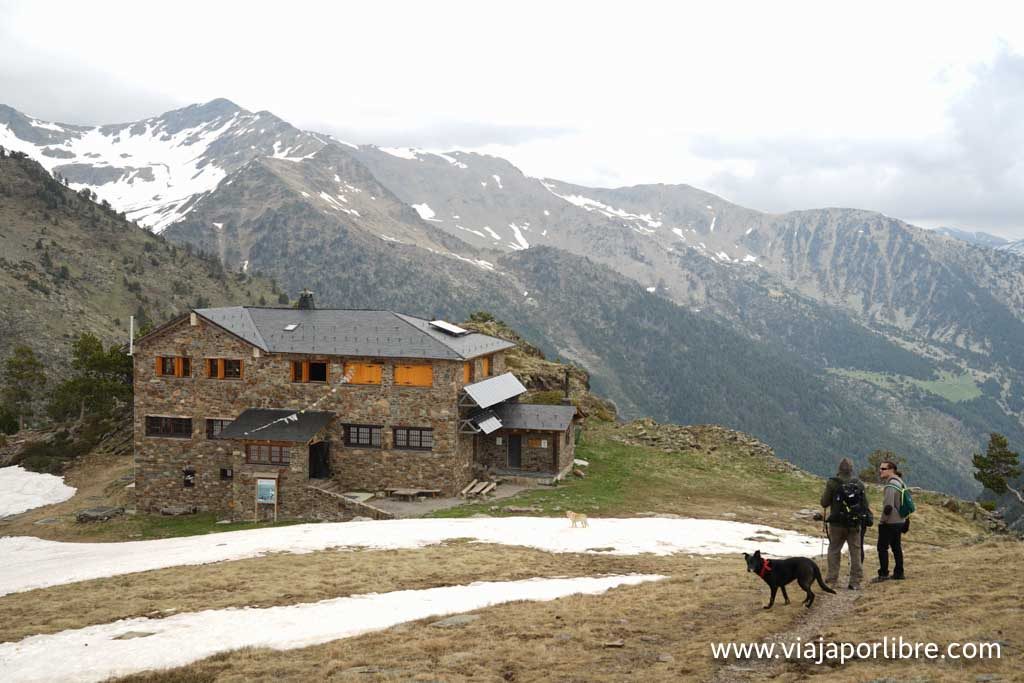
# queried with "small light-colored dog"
point(577, 518)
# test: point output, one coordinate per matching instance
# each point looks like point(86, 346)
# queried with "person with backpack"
point(897, 506)
point(848, 517)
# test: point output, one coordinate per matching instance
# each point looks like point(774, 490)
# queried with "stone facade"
point(222, 481)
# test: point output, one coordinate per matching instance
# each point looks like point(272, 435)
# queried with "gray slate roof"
point(339, 332)
point(535, 417)
point(277, 425)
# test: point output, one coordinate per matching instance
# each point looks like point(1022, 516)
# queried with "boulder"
point(455, 621)
point(99, 514)
point(177, 510)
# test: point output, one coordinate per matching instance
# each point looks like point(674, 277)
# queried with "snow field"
point(31, 563)
point(94, 653)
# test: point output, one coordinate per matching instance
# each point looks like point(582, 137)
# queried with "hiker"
point(892, 524)
point(848, 518)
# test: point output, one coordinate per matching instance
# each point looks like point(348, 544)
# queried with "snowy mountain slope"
point(1014, 247)
point(978, 238)
point(155, 170)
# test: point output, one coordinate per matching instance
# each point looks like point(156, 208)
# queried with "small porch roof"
point(277, 424)
point(532, 417)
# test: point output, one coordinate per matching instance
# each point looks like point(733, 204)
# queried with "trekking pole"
point(824, 531)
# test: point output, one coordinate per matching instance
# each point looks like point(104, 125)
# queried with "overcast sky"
point(912, 109)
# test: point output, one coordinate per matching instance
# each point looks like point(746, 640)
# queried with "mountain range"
point(824, 332)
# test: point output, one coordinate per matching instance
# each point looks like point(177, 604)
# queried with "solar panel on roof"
point(290, 327)
point(445, 326)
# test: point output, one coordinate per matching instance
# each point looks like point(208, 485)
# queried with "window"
point(188, 477)
point(215, 427)
point(309, 371)
point(366, 436)
point(499, 441)
point(226, 474)
point(414, 375)
point(224, 368)
point(266, 454)
point(173, 427)
point(364, 373)
point(537, 443)
point(414, 439)
point(173, 366)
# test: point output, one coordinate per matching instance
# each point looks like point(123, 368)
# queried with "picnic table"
point(412, 495)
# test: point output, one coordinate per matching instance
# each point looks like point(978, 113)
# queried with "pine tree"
point(998, 467)
point(24, 379)
point(870, 473)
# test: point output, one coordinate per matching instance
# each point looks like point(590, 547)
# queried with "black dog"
point(777, 573)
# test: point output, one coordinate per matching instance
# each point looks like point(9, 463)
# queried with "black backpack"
point(848, 505)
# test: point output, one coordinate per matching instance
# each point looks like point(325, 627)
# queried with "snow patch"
point(35, 563)
point(426, 213)
point(652, 290)
point(600, 207)
point(497, 179)
point(24, 490)
point(521, 242)
point(401, 152)
point(93, 654)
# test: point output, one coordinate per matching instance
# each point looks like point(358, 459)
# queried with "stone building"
point(279, 411)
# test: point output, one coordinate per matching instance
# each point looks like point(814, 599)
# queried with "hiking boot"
point(880, 579)
point(898, 577)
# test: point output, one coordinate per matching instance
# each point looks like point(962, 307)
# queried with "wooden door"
point(515, 452)
point(319, 460)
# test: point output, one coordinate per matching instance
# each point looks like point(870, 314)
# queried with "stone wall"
point(534, 458)
point(266, 383)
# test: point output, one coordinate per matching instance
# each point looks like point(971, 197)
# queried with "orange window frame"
point(179, 366)
point(215, 368)
point(303, 375)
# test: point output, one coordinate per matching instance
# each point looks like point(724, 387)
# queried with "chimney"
point(306, 300)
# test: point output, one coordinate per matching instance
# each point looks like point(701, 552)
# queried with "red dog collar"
point(765, 568)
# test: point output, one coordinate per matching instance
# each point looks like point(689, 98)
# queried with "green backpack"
point(907, 506)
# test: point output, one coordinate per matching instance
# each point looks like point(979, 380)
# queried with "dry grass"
point(706, 600)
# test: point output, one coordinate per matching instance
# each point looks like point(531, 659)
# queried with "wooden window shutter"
point(179, 369)
point(159, 366)
point(305, 371)
point(486, 365)
point(240, 368)
point(414, 375)
point(467, 373)
point(291, 366)
point(220, 368)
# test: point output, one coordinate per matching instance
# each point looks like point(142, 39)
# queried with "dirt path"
point(814, 622)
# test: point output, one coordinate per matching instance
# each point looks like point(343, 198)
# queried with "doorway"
point(319, 460)
point(515, 452)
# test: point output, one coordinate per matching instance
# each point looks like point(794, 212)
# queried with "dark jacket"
point(831, 487)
